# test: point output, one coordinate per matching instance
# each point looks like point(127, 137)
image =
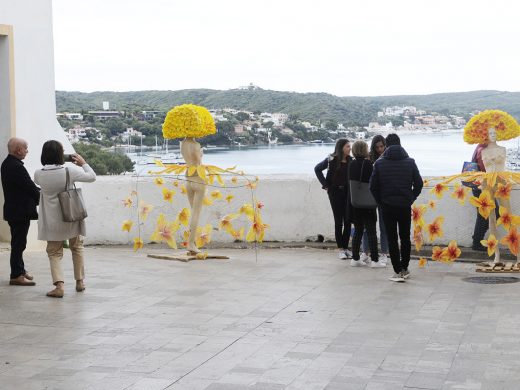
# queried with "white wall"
point(34, 75)
point(295, 206)
point(35, 114)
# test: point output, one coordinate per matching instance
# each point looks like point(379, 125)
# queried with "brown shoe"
point(21, 281)
point(80, 286)
point(28, 276)
point(56, 293)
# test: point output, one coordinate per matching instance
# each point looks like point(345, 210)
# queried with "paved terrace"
point(291, 319)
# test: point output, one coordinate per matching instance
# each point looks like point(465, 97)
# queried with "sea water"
point(435, 154)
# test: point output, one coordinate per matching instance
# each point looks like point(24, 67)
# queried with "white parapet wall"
point(295, 207)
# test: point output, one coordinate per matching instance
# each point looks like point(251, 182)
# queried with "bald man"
point(21, 198)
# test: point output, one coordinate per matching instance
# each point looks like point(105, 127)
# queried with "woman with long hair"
point(52, 179)
point(377, 148)
point(336, 184)
point(361, 169)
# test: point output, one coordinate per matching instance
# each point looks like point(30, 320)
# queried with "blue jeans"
point(383, 239)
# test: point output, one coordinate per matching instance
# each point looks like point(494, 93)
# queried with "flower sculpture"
point(496, 183)
point(188, 121)
point(476, 130)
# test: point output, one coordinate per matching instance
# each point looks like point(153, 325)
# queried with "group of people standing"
point(22, 196)
point(394, 181)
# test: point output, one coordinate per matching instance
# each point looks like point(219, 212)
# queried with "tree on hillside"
point(242, 116)
point(331, 124)
point(103, 162)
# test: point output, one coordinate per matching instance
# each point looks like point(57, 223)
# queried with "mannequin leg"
point(196, 191)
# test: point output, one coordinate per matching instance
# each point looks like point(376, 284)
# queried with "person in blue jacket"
point(336, 184)
point(395, 184)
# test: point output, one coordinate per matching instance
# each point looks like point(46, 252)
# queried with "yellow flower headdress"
point(476, 130)
point(188, 120)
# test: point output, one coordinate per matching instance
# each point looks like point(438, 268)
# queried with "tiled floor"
point(291, 319)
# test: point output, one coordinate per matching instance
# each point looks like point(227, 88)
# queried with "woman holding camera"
point(51, 227)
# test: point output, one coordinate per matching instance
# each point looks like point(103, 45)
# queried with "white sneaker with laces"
point(348, 253)
point(357, 263)
point(364, 258)
point(383, 258)
point(342, 255)
point(396, 278)
point(377, 264)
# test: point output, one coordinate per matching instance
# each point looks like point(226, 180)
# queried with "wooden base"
point(185, 257)
point(490, 267)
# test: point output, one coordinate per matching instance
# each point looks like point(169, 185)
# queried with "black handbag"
point(360, 195)
point(71, 202)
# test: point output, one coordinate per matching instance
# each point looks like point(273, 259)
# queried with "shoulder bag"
point(360, 194)
point(71, 202)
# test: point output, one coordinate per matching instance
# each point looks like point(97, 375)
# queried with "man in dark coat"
point(21, 198)
point(395, 184)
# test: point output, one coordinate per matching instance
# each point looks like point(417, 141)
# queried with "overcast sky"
point(347, 48)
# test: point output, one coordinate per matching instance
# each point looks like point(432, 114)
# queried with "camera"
point(68, 158)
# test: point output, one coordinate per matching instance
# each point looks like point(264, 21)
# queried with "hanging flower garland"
point(497, 185)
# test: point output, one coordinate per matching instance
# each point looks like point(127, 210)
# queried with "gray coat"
point(51, 179)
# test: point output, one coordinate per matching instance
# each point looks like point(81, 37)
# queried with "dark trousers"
point(481, 224)
point(360, 224)
point(398, 218)
point(342, 228)
point(19, 230)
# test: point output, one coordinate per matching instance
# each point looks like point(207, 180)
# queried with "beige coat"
point(51, 179)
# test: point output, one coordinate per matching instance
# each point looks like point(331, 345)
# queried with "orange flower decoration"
point(451, 253)
point(144, 210)
point(257, 231)
point(432, 204)
point(434, 229)
point(127, 225)
point(512, 240)
point(138, 243)
point(229, 198)
point(491, 244)
point(165, 231)
point(422, 262)
point(507, 219)
point(158, 181)
point(417, 238)
point(168, 194)
point(484, 203)
point(127, 202)
point(503, 191)
point(417, 215)
point(238, 235)
point(459, 193)
point(436, 253)
point(438, 189)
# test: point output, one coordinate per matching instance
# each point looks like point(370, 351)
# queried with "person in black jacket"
point(395, 184)
point(336, 185)
point(21, 198)
point(361, 169)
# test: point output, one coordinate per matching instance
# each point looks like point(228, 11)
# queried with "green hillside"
point(307, 106)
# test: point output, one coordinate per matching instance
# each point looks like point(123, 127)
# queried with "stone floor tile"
point(295, 319)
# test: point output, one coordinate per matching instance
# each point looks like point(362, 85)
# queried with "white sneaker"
point(383, 258)
point(396, 278)
point(342, 255)
point(357, 263)
point(348, 253)
point(364, 258)
point(405, 274)
point(377, 264)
